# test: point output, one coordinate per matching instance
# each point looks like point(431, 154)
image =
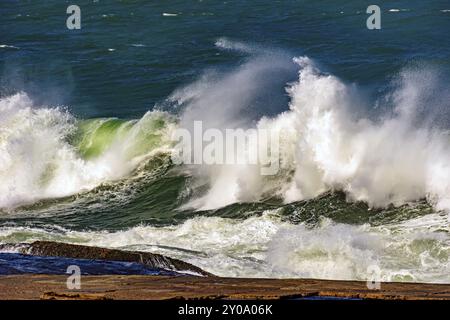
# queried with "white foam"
point(399, 10)
point(266, 246)
point(37, 162)
point(390, 161)
point(8, 46)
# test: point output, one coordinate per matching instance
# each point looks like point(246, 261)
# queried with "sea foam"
point(39, 160)
point(399, 157)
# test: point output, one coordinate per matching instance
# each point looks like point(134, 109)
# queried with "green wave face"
point(133, 137)
point(94, 136)
point(149, 133)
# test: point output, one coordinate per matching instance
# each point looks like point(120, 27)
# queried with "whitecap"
point(398, 10)
point(8, 46)
point(37, 161)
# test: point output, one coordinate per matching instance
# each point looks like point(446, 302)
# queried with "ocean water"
point(14, 263)
point(86, 118)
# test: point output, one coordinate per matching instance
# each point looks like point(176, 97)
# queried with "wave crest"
point(46, 153)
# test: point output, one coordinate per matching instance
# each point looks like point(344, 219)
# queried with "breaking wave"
point(326, 144)
point(326, 141)
point(392, 155)
point(47, 153)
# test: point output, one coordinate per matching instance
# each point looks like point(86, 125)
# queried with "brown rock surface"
point(189, 287)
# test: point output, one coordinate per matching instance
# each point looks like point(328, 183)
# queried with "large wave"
point(326, 141)
point(402, 155)
point(331, 140)
point(47, 153)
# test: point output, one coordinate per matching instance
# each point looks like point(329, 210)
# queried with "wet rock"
point(57, 249)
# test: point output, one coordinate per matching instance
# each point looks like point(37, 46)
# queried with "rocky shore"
point(65, 250)
point(190, 287)
point(189, 282)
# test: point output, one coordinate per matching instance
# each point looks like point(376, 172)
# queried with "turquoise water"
point(86, 117)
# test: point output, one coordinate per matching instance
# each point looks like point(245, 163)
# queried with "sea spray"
point(392, 160)
point(47, 153)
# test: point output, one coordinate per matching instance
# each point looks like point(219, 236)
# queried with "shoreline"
point(174, 279)
point(139, 287)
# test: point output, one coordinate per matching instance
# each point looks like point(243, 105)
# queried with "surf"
point(354, 189)
point(45, 152)
point(329, 142)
